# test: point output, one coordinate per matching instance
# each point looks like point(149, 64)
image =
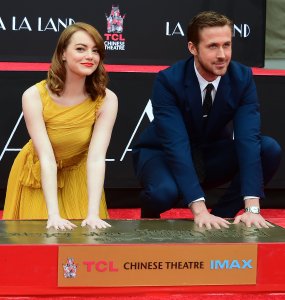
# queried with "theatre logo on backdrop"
point(114, 39)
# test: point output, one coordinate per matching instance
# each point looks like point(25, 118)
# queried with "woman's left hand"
point(95, 222)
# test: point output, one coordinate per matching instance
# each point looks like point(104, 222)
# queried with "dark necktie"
point(208, 102)
point(197, 154)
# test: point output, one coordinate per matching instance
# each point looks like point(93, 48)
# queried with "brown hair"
point(95, 83)
point(205, 19)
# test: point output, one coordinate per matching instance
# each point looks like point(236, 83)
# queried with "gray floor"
point(274, 64)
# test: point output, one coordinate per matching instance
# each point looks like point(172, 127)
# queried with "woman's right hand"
point(56, 222)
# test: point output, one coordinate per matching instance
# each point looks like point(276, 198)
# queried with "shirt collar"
point(203, 82)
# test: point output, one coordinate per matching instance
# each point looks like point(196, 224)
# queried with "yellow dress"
point(69, 130)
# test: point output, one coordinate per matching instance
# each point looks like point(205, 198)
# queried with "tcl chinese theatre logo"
point(114, 39)
point(70, 268)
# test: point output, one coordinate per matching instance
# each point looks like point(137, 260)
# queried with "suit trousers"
point(161, 193)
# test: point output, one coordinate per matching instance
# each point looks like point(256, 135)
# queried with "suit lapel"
point(193, 95)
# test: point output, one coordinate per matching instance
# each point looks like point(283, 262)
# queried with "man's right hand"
point(203, 218)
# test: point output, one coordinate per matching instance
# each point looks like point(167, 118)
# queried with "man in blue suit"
point(199, 139)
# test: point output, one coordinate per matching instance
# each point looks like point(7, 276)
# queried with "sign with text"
point(135, 32)
point(157, 265)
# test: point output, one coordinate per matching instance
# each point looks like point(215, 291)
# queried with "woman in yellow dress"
point(59, 174)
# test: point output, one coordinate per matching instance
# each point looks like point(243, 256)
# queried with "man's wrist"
point(251, 201)
point(198, 206)
point(196, 200)
point(251, 204)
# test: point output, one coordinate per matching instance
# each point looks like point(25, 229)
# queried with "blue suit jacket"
point(177, 108)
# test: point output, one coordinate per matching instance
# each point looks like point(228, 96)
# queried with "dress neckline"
point(61, 105)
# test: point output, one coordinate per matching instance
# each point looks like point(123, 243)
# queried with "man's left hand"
point(250, 219)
